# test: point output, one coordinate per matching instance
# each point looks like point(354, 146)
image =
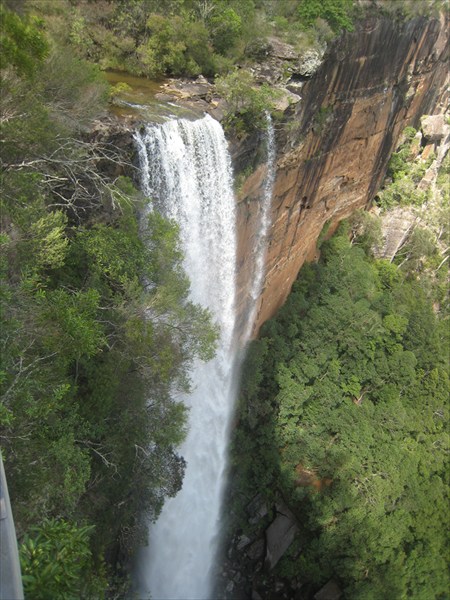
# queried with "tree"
point(224, 25)
point(55, 558)
point(344, 412)
point(22, 45)
point(176, 46)
point(366, 230)
point(336, 12)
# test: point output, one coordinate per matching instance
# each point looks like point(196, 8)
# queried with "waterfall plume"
point(186, 170)
point(260, 245)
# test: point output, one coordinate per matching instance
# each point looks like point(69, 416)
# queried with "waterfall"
point(260, 245)
point(186, 169)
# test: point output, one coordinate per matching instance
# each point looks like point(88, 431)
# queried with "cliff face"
point(334, 145)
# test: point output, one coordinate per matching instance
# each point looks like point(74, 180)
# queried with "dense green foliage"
point(97, 332)
point(56, 562)
point(216, 38)
point(405, 170)
point(188, 37)
point(336, 12)
point(22, 45)
point(247, 103)
point(345, 405)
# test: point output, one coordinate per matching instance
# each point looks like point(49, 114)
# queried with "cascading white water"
point(186, 169)
point(260, 245)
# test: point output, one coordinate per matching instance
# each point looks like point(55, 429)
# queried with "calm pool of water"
point(141, 101)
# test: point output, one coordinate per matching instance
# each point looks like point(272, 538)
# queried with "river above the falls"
point(143, 99)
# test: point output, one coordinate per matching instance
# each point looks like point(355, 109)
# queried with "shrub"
point(247, 102)
point(336, 12)
point(176, 46)
point(55, 559)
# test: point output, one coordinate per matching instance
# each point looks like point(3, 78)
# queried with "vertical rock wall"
point(334, 145)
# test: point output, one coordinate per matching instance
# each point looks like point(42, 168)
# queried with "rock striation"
point(335, 142)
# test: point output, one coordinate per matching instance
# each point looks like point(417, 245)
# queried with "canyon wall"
point(334, 144)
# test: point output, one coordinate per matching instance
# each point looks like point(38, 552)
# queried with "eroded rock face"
point(334, 144)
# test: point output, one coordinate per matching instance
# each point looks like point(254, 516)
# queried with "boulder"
point(162, 97)
point(201, 79)
point(230, 587)
point(256, 509)
point(286, 99)
point(280, 535)
point(256, 550)
point(194, 90)
point(187, 89)
point(242, 542)
point(217, 108)
point(433, 128)
point(281, 50)
point(310, 62)
point(330, 591)
point(396, 226)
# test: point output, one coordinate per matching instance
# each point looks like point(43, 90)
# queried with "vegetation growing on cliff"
point(425, 249)
point(405, 170)
point(344, 412)
point(97, 331)
point(247, 103)
point(408, 9)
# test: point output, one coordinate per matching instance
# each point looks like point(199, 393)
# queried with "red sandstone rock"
point(373, 83)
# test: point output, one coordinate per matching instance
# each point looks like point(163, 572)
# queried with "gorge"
point(325, 169)
point(332, 151)
point(143, 235)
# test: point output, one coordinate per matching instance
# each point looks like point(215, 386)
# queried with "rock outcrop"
point(334, 145)
point(399, 222)
point(433, 128)
point(330, 591)
point(396, 226)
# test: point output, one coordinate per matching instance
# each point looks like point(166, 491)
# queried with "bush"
point(406, 168)
point(57, 563)
point(177, 47)
point(247, 102)
point(336, 12)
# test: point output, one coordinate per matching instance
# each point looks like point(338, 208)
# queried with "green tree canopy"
point(22, 45)
point(344, 413)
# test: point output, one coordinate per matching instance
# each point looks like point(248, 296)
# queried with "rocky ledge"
point(276, 63)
